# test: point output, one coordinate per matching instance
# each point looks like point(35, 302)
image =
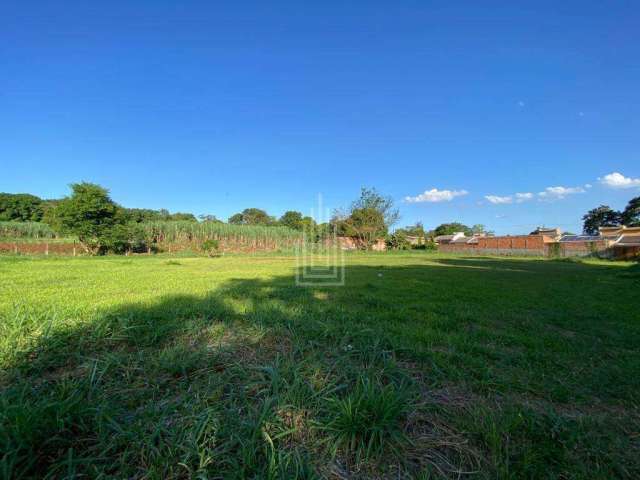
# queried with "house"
point(610, 233)
point(554, 233)
point(415, 240)
point(627, 245)
point(463, 240)
point(579, 246)
point(446, 239)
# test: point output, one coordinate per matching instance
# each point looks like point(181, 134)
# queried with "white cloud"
point(558, 193)
point(617, 180)
point(523, 197)
point(497, 200)
point(507, 199)
point(434, 195)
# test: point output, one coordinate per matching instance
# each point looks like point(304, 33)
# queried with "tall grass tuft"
point(367, 422)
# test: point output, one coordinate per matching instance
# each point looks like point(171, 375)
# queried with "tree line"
point(101, 225)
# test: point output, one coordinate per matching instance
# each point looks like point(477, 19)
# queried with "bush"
point(124, 239)
point(398, 241)
point(211, 247)
point(430, 245)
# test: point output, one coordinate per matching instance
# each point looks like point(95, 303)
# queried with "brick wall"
point(534, 245)
point(512, 245)
point(581, 249)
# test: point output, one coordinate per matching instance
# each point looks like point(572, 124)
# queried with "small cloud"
point(521, 104)
point(581, 114)
point(501, 216)
point(558, 193)
point(434, 196)
point(523, 197)
point(617, 180)
point(497, 200)
point(507, 199)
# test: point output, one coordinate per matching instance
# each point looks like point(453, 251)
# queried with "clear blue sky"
point(211, 107)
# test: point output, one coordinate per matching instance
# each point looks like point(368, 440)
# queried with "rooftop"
point(580, 238)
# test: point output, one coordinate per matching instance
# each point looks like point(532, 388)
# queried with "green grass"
point(421, 366)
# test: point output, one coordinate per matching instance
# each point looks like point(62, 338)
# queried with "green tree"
point(291, 219)
point(21, 207)
point(252, 216)
point(89, 213)
point(236, 219)
point(124, 238)
point(602, 216)
point(183, 217)
point(631, 214)
point(370, 199)
point(369, 217)
point(480, 228)
point(366, 224)
point(209, 218)
point(451, 228)
point(398, 240)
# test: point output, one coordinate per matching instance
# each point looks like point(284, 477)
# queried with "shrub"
point(124, 239)
point(398, 241)
point(430, 245)
point(211, 247)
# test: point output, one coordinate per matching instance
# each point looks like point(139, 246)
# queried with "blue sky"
point(212, 107)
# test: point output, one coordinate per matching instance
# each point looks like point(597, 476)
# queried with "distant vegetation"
point(15, 229)
point(100, 225)
point(605, 216)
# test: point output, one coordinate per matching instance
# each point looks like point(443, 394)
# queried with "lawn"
point(421, 366)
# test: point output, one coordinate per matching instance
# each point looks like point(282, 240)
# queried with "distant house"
point(447, 239)
point(463, 240)
point(610, 233)
point(627, 245)
point(554, 233)
point(611, 242)
point(579, 238)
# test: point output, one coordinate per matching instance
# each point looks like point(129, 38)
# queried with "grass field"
point(421, 366)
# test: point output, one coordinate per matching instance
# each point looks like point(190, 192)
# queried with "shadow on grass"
point(262, 379)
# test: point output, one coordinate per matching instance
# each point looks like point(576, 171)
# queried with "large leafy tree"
point(416, 230)
point(89, 213)
point(292, 219)
point(209, 218)
point(370, 199)
point(20, 207)
point(252, 216)
point(602, 216)
point(451, 228)
point(631, 214)
point(368, 219)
